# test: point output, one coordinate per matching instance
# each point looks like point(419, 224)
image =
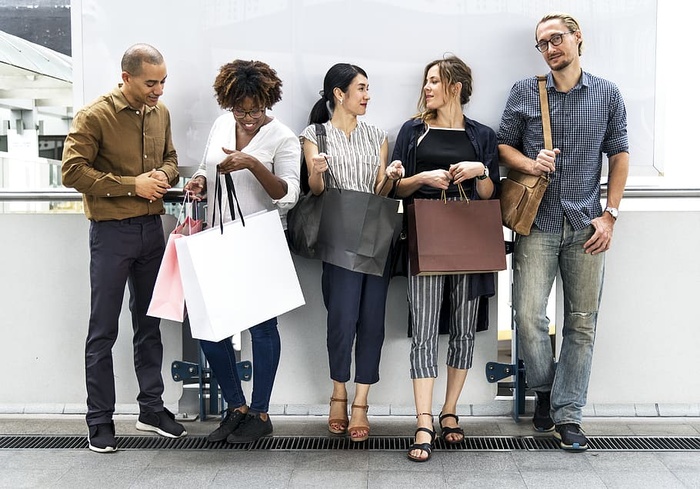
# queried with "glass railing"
point(33, 185)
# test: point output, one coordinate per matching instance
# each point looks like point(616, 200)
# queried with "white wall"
point(391, 39)
point(645, 361)
point(647, 338)
point(45, 297)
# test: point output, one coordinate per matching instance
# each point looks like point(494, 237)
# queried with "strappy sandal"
point(354, 429)
point(423, 447)
point(446, 430)
point(342, 422)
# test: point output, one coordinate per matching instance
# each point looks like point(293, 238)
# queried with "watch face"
point(613, 212)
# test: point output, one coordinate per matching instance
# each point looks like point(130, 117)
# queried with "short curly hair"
point(240, 79)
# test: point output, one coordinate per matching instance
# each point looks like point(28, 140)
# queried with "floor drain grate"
point(377, 443)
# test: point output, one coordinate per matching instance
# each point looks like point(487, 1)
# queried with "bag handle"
point(321, 144)
point(544, 105)
point(462, 194)
point(393, 188)
point(231, 195)
point(186, 200)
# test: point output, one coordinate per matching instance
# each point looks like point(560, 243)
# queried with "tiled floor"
point(66, 468)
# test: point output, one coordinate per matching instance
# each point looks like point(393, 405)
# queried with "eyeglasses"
point(555, 40)
point(253, 113)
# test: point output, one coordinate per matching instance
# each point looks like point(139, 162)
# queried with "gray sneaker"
point(571, 437)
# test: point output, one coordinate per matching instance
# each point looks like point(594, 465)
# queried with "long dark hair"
point(340, 75)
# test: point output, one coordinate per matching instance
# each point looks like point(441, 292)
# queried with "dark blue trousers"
point(121, 252)
point(355, 303)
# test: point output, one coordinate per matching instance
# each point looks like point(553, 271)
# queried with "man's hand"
point(161, 175)
point(602, 237)
point(150, 186)
point(544, 163)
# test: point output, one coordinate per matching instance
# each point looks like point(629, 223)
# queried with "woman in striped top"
point(357, 154)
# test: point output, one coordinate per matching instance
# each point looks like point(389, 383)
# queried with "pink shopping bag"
point(168, 300)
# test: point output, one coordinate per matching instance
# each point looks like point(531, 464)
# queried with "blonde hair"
point(452, 71)
point(567, 20)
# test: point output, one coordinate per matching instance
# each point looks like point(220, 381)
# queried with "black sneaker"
point(571, 437)
point(251, 429)
point(542, 420)
point(231, 421)
point(163, 422)
point(101, 438)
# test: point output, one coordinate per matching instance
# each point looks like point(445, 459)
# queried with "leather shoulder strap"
point(544, 104)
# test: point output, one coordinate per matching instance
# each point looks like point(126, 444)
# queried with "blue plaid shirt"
point(586, 122)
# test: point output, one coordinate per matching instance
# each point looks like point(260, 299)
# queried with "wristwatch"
point(485, 175)
point(613, 212)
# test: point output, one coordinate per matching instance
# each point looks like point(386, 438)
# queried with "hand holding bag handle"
point(304, 218)
point(231, 195)
point(521, 193)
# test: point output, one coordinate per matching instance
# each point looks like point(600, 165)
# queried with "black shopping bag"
point(357, 230)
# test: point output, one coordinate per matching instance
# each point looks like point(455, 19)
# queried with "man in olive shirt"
point(119, 154)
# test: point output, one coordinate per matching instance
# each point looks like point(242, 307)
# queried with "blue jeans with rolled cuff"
point(536, 261)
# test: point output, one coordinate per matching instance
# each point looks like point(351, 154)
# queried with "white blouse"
point(275, 146)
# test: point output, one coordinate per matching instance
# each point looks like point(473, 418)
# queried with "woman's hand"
point(236, 160)
point(197, 187)
point(320, 163)
point(437, 178)
point(464, 170)
point(395, 170)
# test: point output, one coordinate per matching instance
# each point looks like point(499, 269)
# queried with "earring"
point(341, 101)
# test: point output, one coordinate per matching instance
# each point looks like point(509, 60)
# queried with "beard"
point(559, 64)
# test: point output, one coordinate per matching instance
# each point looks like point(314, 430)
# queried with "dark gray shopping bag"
point(357, 230)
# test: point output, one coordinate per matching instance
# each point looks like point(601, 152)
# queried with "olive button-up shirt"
point(109, 145)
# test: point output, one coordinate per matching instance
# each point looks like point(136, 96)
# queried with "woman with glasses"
point(262, 155)
point(440, 148)
point(356, 153)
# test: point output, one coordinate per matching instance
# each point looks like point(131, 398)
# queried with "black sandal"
point(424, 447)
point(446, 430)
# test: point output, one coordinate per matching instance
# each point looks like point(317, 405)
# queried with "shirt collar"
point(584, 81)
point(120, 102)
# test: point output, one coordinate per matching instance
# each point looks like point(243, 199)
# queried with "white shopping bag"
point(239, 278)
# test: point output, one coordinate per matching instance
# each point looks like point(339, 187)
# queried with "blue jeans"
point(266, 357)
point(536, 260)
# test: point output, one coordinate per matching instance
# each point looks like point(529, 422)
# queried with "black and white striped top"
point(354, 161)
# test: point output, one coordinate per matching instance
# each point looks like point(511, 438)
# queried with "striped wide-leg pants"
point(425, 294)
